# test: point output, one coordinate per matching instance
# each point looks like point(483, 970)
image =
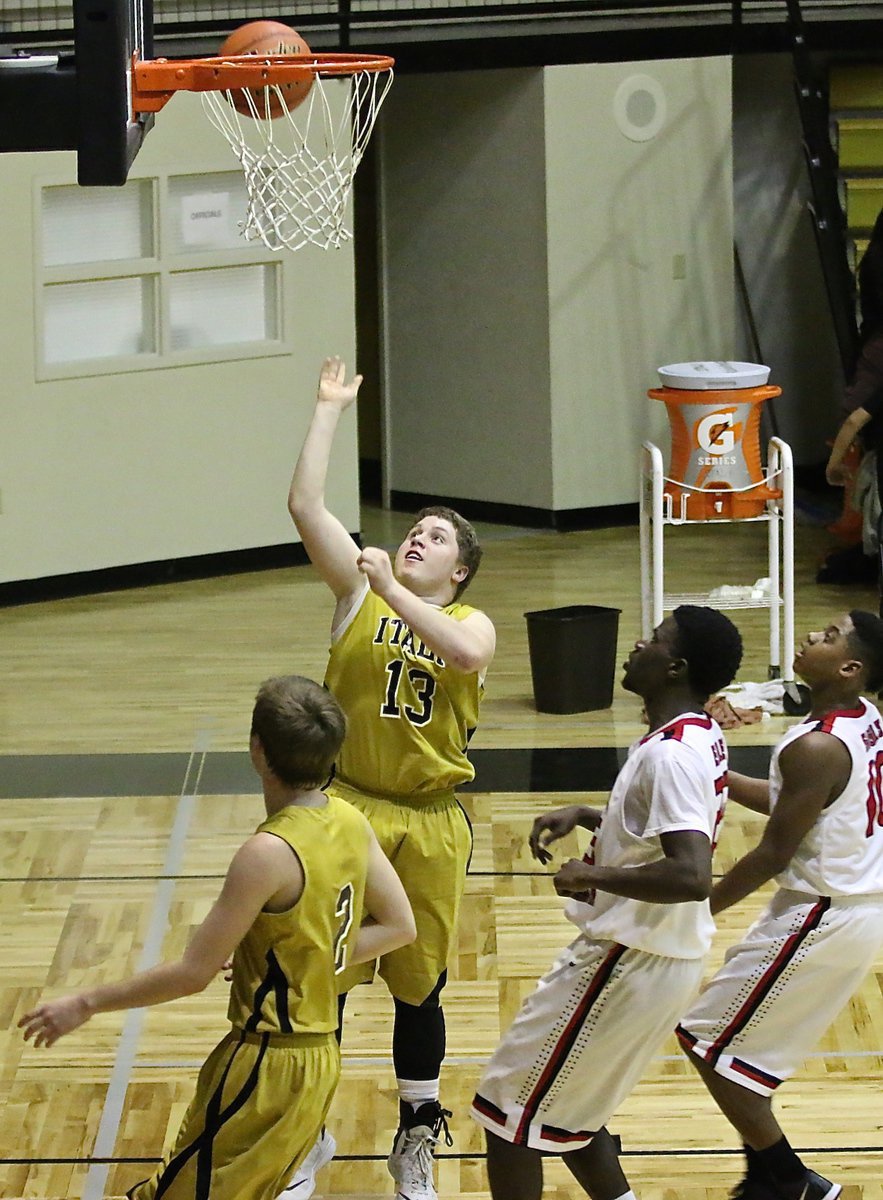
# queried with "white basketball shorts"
point(581, 1042)
point(781, 987)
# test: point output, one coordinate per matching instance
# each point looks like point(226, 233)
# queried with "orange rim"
point(155, 82)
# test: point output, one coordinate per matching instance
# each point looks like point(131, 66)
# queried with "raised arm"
point(846, 435)
point(331, 549)
point(389, 922)
point(815, 769)
point(257, 871)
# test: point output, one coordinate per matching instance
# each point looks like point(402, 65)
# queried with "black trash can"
point(573, 657)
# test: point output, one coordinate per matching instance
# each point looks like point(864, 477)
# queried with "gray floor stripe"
point(230, 773)
point(105, 1140)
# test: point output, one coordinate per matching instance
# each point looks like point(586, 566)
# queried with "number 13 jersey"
point(409, 715)
point(842, 855)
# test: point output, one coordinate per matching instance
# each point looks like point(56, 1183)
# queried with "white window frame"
point(160, 267)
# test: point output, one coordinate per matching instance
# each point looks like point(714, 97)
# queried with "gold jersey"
point(285, 968)
point(409, 716)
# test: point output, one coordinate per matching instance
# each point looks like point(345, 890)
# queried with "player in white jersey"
point(781, 987)
point(639, 899)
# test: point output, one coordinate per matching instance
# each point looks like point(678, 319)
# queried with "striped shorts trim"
point(781, 987)
point(580, 1043)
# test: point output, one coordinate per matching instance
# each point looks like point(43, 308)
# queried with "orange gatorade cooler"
point(714, 410)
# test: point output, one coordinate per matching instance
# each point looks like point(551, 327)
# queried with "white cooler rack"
point(657, 512)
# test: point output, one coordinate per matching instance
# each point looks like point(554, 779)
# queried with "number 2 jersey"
point(409, 715)
point(674, 779)
point(285, 969)
point(842, 855)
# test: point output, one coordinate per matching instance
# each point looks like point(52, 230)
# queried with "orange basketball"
point(265, 38)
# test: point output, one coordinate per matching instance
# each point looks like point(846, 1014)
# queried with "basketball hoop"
point(299, 164)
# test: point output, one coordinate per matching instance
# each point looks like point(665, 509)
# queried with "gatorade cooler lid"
point(713, 376)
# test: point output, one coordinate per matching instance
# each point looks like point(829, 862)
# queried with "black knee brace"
point(418, 1039)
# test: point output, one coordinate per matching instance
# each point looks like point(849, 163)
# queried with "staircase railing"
point(829, 219)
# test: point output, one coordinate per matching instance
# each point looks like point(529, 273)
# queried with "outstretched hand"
point(50, 1021)
point(333, 388)
point(549, 828)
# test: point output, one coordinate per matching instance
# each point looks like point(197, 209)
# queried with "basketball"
point(266, 38)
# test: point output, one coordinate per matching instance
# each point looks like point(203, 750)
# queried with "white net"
point(299, 168)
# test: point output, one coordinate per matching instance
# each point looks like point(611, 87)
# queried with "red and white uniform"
point(673, 779)
point(582, 1040)
point(842, 855)
point(800, 962)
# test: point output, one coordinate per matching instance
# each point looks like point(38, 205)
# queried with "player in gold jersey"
point(407, 665)
point(291, 915)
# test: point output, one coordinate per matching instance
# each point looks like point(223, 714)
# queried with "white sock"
point(418, 1091)
point(629, 1195)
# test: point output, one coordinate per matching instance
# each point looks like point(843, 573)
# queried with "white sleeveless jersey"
point(842, 855)
point(673, 779)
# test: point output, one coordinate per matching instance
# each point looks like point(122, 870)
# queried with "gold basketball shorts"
point(429, 842)
point(261, 1100)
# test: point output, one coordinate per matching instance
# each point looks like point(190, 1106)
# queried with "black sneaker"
point(811, 1187)
point(751, 1188)
point(815, 1187)
point(411, 1160)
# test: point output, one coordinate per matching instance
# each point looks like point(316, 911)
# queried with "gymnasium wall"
point(464, 267)
point(148, 465)
point(536, 265)
point(556, 262)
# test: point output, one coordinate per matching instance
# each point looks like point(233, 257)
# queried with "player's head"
point(299, 728)
point(696, 648)
point(711, 646)
point(440, 549)
point(848, 650)
point(866, 640)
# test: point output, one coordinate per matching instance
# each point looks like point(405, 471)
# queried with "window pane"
point(83, 225)
point(109, 318)
point(223, 306)
point(205, 211)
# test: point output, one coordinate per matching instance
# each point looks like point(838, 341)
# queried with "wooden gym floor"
point(126, 788)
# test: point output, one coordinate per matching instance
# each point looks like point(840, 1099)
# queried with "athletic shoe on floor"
point(817, 1188)
point(411, 1160)
point(303, 1183)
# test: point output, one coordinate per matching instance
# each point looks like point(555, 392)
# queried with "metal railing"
point(38, 22)
point(829, 219)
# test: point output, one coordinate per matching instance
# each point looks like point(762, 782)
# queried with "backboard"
point(108, 34)
point(80, 100)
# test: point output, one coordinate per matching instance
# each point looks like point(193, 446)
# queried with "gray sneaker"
point(411, 1160)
